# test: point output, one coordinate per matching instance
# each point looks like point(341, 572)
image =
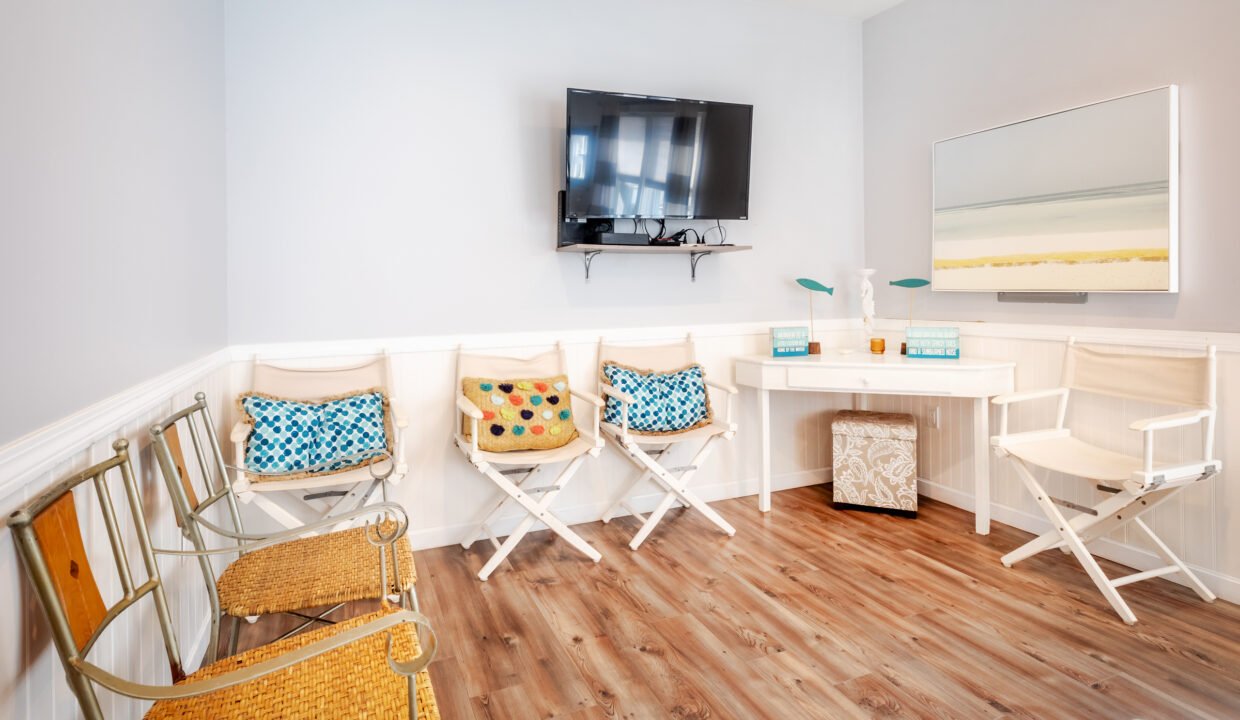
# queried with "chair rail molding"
point(36, 452)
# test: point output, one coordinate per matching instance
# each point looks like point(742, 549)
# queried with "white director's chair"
point(522, 464)
point(646, 451)
point(296, 500)
point(1135, 485)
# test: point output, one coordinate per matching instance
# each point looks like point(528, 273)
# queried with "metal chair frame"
point(215, 476)
point(83, 675)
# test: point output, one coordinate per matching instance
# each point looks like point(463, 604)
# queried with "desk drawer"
point(903, 380)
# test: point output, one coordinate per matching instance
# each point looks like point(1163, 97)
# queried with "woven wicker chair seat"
point(349, 682)
point(310, 572)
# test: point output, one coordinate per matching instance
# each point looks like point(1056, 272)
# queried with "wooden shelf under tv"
point(695, 251)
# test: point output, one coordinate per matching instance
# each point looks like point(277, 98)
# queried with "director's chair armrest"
point(623, 397)
point(625, 401)
point(240, 431)
point(1006, 399)
point(591, 398)
point(385, 623)
point(468, 407)
point(1016, 397)
point(1164, 422)
point(400, 418)
point(731, 393)
point(474, 413)
point(596, 404)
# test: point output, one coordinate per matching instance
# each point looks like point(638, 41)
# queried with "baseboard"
point(1225, 586)
point(590, 512)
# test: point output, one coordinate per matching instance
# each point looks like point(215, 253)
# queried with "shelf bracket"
point(588, 257)
point(694, 257)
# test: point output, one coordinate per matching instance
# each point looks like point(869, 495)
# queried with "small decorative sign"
point(933, 342)
point(789, 341)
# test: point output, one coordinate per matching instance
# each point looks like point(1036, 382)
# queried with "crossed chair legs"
point(676, 487)
point(674, 481)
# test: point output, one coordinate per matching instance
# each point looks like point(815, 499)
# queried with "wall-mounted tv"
point(1083, 200)
point(637, 156)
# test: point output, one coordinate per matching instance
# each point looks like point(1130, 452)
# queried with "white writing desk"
point(861, 373)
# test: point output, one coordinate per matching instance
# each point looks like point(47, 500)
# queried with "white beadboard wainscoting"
point(1202, 523)
point(446, 497)
point(32, 683)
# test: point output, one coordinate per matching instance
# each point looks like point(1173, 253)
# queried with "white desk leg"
point(764, 422)
point(981, 465)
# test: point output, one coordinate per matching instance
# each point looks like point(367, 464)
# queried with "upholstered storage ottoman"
point(875, 460)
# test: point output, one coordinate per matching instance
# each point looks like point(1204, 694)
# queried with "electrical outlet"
point(935, 416)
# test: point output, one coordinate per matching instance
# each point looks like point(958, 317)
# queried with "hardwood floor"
point(811, 612)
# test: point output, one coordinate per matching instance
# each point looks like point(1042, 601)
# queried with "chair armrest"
point(467, 406)
point(591, 398)
point(240, 431)
point(400, 418)
point(264, 539)
point(262, 669)
point(730, 389)
point(1170, 421)
point(1015, 397)
point(611, 391)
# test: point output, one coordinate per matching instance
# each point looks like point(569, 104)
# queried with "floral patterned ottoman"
point(875, 460)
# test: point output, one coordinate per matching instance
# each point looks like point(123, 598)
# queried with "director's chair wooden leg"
point(536, 512)
point(1073, 542)
point(677, 489)
point(485, 525)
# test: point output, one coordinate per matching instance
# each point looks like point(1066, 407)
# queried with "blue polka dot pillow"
point(295, 439)
point(520, 414)
point(663, 402)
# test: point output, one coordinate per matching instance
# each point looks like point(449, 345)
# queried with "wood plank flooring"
point(811, 612)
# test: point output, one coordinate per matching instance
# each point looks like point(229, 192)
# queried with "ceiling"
point(860, 9)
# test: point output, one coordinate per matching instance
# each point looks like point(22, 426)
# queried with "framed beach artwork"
point(1084, 200)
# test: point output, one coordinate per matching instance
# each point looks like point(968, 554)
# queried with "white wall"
point(392, 165)
point(32, 680)
point(939, 68)
point(111, 198)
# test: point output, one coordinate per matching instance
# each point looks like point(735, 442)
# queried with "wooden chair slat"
point(60, 537)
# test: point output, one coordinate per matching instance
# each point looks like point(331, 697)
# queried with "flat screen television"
point(636, 156)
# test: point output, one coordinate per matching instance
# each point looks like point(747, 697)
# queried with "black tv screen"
point(633, 156)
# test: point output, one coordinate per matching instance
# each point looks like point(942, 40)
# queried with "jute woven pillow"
point(521, 414)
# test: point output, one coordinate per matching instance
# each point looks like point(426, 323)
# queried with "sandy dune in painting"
point(1105, 239)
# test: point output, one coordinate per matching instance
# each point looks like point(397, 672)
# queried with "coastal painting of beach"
point(1082, 200)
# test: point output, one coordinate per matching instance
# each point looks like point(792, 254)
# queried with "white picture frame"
point(1080, 200)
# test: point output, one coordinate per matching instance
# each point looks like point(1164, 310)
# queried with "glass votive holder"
point(878, 345)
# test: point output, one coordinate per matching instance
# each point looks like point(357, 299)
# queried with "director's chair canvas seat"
point(1132, 486)
point(295, 500)
point(1071, 456)
point(703, 433)
point(576, 448)
point(637, 447)
point(510, 471)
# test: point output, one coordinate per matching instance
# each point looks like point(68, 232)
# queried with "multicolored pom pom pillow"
point(663, 402)
point(293, 439)
point(524, 414)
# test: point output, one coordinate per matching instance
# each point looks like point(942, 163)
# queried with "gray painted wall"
point(392, 167)
point(938, 68)
point(111, 198)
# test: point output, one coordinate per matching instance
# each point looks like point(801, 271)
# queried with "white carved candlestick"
point(867, 303)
